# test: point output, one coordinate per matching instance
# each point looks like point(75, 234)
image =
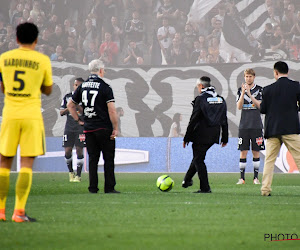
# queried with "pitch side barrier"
point(149, 154)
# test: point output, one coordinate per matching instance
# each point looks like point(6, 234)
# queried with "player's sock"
point(80, 161)
point(69, 161)
point(23, 187)
point(4, 186)
point(243, 163)
point(256, 163)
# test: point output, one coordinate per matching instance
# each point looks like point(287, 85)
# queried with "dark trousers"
point(198, 165)
point(97, 142)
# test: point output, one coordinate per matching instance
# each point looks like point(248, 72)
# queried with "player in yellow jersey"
point(24, 75)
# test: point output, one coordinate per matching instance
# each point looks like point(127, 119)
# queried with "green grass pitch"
point(142, 217)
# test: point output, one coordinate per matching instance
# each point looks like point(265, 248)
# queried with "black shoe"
point(186, 184)
point(203, 192)
point(112, 192)
point(93, 192)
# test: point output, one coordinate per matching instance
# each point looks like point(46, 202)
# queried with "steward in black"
point(208, 117)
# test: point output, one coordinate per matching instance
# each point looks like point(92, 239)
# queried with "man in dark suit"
point(207, 119)
point(280, 102)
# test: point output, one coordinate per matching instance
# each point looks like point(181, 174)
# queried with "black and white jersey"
point(94, 94)
point(250, 118)
point(71, 124)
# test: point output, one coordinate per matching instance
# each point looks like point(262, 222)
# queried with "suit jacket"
point(208, 117)
point(280, 105)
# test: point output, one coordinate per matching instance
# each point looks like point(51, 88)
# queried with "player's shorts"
point(29, 134)
point(253, 136)
point(73, 138)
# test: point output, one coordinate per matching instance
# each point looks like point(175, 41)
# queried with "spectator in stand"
point(291, 50)
point(20, 20)
point(108, 50)
point(202, 41)
point(107, 10)
point(167, 10)
point(189, 37)
point(196, 53)
point(181, 21)
point(210, 59)
point(134, 5)
point(296, 30)
point(40, 22)
point(8, 37)
point(216, 32)
point(12, 45)
point(53, 21)
point(41, 49)
point(3, 31)
point(176, 53)
point(87, 35)
point(58, 55)
point(117, 32)
point(253, 42)
point(288, 20)
point(91, 53)
point(17, 14)
point(36, 11)
point(275, 20)
point(57, 37)
point(12, 10)
point(178, 36)
point(27, 5)
point(213, 49)
point(133, 53)
point(26, 14)
point(277, 41)
point(71, 50)
point(202, 57)
point(44, 39)
point(69, 30)
point(165, 35)
point(266, 37)
point(222, 11)
point(135, 29)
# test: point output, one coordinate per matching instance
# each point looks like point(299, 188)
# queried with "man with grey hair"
point(100, 124)
point(207, 120)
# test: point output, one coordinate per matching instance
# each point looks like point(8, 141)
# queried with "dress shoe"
point(112, 192)
point(202, 191)
point(186, 184)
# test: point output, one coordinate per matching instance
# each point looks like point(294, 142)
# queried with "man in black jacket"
point(207, 119)
point(280, 104)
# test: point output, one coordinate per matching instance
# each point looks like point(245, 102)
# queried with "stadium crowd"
point(134, 32)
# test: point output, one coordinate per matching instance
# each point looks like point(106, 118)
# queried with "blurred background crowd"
point(147, 32)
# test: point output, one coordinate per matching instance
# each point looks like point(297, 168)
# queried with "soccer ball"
point(165, 183)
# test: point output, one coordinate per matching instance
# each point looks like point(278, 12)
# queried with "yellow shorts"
point(29, 134)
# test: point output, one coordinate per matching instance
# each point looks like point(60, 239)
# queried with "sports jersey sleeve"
point(238, 95)
point(63, 103)
point(259, 95)
point(48, 73)
point(76, 97)
point(109, 95)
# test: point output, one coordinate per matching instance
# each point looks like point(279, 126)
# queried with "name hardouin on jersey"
point(13, 62)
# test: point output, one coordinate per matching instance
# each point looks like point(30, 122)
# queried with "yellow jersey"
point(23, 72)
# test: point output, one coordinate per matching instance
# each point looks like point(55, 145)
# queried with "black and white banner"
point(151, 96)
